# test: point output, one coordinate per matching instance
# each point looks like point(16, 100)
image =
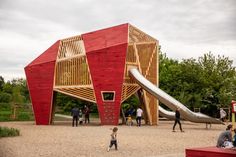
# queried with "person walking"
point(139, 116)
point(75, 114)
point(177, 120)
point(113, 140)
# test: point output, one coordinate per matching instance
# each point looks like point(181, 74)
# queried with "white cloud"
point(179, 50)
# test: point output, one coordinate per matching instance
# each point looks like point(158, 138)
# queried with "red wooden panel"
point(40, 77)
point(106, 53)
point(105, 38)
point(210, 152)
point(107, 72)
point(49, 55)
point(40, 84)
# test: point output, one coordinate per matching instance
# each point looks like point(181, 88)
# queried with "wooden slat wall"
point(129, 90)
point(145, 52)
point(71, 47)
point(136, 35)
point(82, 93)
point(142, 52)
point(72, 71)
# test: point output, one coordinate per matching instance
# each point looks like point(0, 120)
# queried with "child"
point(129, 120)
point(113, 139)
point(228, 144)
point(80, 117)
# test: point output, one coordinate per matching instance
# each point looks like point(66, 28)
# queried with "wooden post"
point(14, 112)
point(233, 120)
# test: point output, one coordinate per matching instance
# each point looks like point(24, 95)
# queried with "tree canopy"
point(207, 82)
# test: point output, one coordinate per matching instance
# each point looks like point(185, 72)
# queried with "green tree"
point(16, 95)
point(5, 97)
point(218, 78)
point(2, 82)
point(206, 82)
point(7, 87)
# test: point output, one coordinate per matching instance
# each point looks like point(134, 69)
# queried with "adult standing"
point(75, 114)
point(177, 120)
point(139, 116)
point(222, 114)
point(86, 114)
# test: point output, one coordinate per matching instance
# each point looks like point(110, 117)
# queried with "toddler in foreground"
point(113, 139)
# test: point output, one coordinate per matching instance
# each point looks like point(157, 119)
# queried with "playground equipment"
point(209, 152)
point(167, 114)
point(170, 101)
point(95, 67)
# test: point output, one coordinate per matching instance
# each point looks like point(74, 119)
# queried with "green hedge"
point(24, 116)
point(5, 106)
point(7, 132)
point(24, 113)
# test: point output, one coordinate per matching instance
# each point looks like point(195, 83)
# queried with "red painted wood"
point(105, 38)
point(49, 55)
point(106, 53)
point(210, 152)
point(40, 77)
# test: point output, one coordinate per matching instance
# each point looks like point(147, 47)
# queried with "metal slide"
point(171, 102)
point(167, 114)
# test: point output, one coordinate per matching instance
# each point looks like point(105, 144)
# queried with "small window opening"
point(108, 95)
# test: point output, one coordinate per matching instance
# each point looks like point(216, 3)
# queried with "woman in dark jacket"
point(225, 136)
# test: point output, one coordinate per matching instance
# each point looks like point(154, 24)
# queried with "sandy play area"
point(62, 140)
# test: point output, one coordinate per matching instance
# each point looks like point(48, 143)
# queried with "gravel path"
point(62, 140)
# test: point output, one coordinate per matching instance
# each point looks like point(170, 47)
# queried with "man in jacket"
point(177, 120)
point(75, 114)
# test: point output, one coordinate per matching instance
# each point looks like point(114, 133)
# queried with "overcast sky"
point(185, 28)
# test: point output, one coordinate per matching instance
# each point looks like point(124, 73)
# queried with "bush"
point(5, 97)
point(5, 116)
point(7, 132)
point(24, 116)
point(5, 106)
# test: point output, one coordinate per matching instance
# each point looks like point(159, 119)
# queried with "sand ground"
point(62, 140)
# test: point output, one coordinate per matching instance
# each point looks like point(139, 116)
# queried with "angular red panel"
point(49, 55)
point(40, 77)
point(106, 54)
point(105, 38)
point(209, 152)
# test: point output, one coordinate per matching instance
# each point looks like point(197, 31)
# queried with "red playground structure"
point(95, 67)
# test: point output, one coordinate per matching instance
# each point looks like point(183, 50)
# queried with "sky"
point(184, 28)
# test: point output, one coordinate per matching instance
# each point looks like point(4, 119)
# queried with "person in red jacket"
point(86, 114)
